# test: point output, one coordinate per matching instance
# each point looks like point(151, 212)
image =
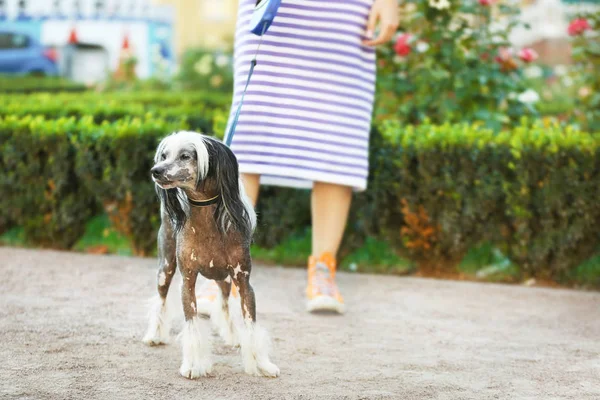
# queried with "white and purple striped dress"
point(307, 114)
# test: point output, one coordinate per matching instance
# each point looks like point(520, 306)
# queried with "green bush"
point(586, 56)
point(435, 191)
point(451, 64)
point(40, 191)
point(196, 109)
point(205, 69)
point(30, 84)
point(532, 191)
point(114, 161)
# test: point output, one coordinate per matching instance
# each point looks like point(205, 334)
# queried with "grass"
point(376, 256)
point(488, 263)
point(485, 262)
point(292, 251)
point(101, 237)
point(13, 237)
point(586, 275)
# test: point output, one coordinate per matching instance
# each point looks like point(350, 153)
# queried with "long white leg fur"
point(196, 350)
point(159, 323)
point(255, 347)
point(222, 319)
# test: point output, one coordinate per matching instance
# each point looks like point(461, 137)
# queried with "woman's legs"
point(251, 186)
point(330, 206)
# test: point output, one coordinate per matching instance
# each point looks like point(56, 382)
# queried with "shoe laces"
point(323, 279)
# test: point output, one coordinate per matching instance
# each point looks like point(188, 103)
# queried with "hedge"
point(434, 191)
point(30, 84)
point(533, 191)
point(40, 190)
point(195, 109)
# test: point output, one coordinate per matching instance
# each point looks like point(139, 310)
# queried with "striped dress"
point(307, 114)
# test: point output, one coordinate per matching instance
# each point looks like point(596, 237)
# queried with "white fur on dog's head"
point(183, 162)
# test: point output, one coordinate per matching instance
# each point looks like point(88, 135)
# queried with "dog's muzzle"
point(158, 172)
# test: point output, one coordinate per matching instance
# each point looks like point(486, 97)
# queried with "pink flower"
point(402, 47)
point(578, 26)
point(486, 2)
point(528, 55)
point(505, 59)
point(504, 54)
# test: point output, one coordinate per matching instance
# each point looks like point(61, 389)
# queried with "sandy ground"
point(71, 324)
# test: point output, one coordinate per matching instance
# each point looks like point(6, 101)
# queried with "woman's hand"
point(386, 12)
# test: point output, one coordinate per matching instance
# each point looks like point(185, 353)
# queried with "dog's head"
point(191, 162)
point(181, 161)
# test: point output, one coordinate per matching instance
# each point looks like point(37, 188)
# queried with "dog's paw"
point(157, 335)
point(155, 339)
point(231, 340)
point(196, 370)
point(268, 369)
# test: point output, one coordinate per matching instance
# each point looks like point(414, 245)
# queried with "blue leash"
point(263, 16)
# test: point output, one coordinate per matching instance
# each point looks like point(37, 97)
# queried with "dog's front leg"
point(254, 339)
point(195, 344)
point(159, 324)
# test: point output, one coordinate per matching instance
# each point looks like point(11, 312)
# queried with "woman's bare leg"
point(251, 186)
point(330, 206)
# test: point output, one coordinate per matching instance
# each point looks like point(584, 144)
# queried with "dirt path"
point(70, 328)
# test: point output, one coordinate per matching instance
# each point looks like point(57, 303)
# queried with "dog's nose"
point(157, 171)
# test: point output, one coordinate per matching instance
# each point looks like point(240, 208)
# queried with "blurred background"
point(485, 150)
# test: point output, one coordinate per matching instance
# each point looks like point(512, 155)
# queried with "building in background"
point(206, 24)
point(93, 34)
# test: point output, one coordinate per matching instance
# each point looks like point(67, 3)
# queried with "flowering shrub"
point(206, 70)
point(586, 57)
point(453, 62)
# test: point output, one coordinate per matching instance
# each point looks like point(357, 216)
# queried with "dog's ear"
point(234, 210)
point(171, 201)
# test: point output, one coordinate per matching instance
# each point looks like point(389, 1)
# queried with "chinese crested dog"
point(206, 227)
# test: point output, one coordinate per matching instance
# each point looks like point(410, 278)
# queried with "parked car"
point(20, 53)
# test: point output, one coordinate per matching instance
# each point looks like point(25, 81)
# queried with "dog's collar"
point(204, 203)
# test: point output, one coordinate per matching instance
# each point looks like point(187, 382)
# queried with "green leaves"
point(531, 190)
point(457, 77)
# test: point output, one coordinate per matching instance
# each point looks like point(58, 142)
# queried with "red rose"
point(578, 26)
point(528, 55)
point(486, 2)
point(402, 47)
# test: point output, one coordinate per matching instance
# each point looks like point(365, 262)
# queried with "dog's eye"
point(163, 156)
point(184, 157)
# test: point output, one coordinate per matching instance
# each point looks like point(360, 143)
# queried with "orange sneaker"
point(321, 292)
point(206, 295)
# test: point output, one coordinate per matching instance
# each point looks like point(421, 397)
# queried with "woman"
point(306, 116)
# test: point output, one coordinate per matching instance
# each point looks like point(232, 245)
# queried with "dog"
point(207, 222)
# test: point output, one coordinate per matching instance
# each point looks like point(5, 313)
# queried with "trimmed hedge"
point(194, 109)
point(30, 84)
point(114, 160)
point(40, 190)
point(435, 191)
point(533, 191)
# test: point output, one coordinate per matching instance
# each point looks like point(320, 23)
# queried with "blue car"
point(20, 53)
